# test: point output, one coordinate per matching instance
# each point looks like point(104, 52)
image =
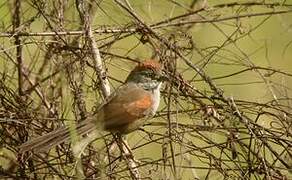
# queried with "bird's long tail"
point(47, 141)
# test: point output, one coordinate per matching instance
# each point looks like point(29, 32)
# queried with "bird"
point(124, 111)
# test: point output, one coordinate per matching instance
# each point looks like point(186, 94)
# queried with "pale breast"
point(156, 99)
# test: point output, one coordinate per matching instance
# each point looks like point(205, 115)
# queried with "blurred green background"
point(262, 41)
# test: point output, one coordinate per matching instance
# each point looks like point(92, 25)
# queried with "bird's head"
point(148, 74)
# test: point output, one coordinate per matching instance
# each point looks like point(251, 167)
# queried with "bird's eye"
point(150, 74)
point(153, 75)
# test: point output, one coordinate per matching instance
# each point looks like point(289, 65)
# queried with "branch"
point(16, 24)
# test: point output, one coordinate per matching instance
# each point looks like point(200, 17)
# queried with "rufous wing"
point(129, 104)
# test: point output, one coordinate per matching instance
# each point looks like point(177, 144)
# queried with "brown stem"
point(17, 42)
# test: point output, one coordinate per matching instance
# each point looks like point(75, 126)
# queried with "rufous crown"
point(148, 64)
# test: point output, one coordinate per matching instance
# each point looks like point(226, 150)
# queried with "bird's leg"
point(125, 148)
point(128, 156)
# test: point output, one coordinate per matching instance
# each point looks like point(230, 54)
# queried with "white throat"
point(156, 98)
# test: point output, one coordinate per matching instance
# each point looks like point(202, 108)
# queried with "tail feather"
point(47, 141)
